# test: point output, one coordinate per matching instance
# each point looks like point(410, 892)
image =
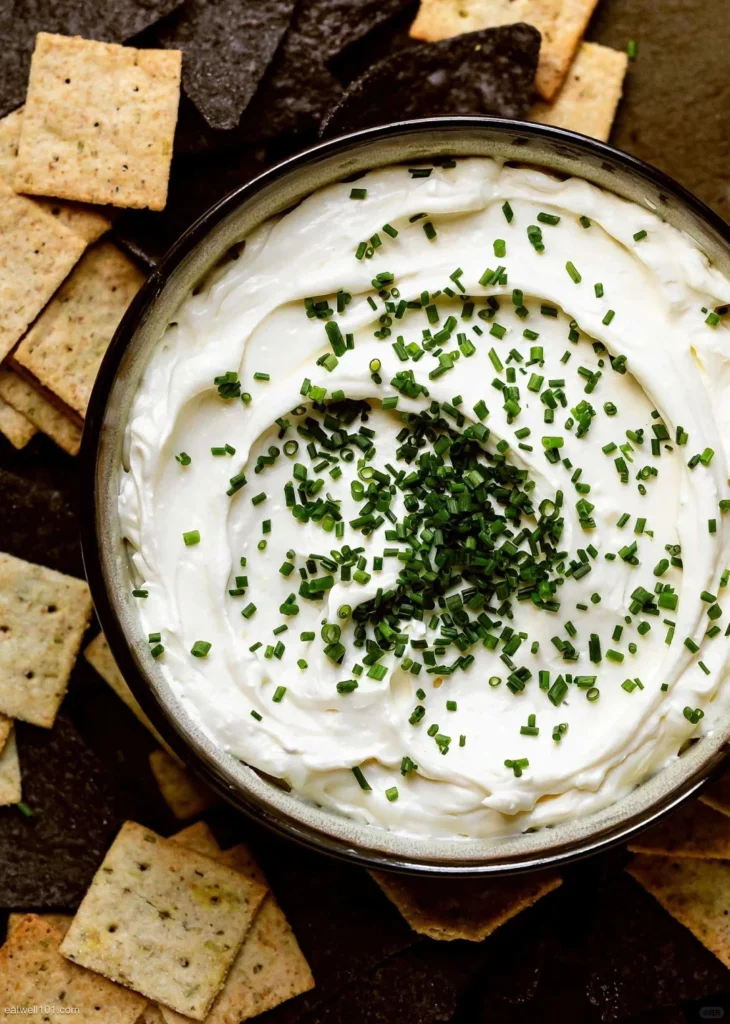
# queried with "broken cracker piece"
point(561, 24)
point(163, 920)
point(42, 415)
point(66, 345)
point(43, 618)
point(717, 794)
point(98, 655)
point(62, 921)
point(693, 830)
point(33, 974)
point(462, 908)
point(10, 781)
point(590, 96)
point(184, 794)
point(37, 254)
point(15, 426)
point(99, 122)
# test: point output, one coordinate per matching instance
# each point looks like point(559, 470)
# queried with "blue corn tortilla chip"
point(21, 20)
point(227, 46)
point(486, 72)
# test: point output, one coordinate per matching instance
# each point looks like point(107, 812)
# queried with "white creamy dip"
point(250, 317)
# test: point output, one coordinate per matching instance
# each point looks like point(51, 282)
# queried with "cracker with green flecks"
point(463, 908)
point(99, 122)
point(97, 653)
point(43, 416)
point(185, 795)
point(84, 221)
point(163, 920)
point(66, 345)
point(33, 973)
point(270, 967)
point(590, 95)
point(560, 22)
point(43, 617)
point(15, 426)
point(10, 781)
point(37, 253)
point(693, 830)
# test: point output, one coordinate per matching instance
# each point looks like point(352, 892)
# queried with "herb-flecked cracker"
point(66, 345)
point(14, 425)
point(590, 95)
point(34, 974)
point(36, 255)
point(39, 412)
point(185, 795)
point(693, 830)
point(561, 24)
point(84, 221)
point(10, 782)
point(163, 920)
point(695, 892)
point(463, 908)
point(43, 617)
point(97, 653)
point(99, 122)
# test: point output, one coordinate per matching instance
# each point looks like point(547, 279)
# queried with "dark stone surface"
point(597, 951)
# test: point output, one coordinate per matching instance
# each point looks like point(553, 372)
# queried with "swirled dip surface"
point(532, 549)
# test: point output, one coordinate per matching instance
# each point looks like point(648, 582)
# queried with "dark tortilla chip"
point(486, 72)
point(49, 859)
point(227, 46)
point(20, 20)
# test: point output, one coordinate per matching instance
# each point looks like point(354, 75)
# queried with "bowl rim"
point(251, 805)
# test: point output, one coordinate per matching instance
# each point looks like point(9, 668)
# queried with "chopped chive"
point(191, 537)
point(358, 193)
point(200, 649)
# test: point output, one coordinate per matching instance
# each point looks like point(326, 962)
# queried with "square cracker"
point(693, 830)
point(66, 345)
point(695, 892)
point(184, 794)
point(163, 920)
point(33, 973)
point(10, 782)
point(15, 426)
point(270, 967)
point(42, 415)
point(36, 255)
point(560, 22)
point(43, 618)
point(98, 655)
point(99, 122)
point(590, 95)
point(462, 908)
point(84, 221)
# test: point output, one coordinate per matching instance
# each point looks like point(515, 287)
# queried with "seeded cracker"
point(84, 221)
point(163, 920)
point(36, 255)
point(99, 122)
point(65, 347)
point(560, 22)
point(42, 415)
point(462, 908)
point(33, 974)
point(693, 830)
point(43, 617)
point(10, 786)
point(590, 95)
point(97, 653)
point(16, 427)
point(185, 795)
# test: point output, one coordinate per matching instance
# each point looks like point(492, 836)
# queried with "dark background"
point(597, 950)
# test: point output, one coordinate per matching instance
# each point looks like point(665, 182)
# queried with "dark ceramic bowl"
point(106, 559)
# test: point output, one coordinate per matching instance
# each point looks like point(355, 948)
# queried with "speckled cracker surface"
point(590, 95)
point(560, 22)
point(693, 830)
point(36, 255)
point(184, 794)
point(39, 412)
point(17, 428)
point(43, 617)
point(97, 653)
point(34, 974)
point(62, 921)
point(84, 221)
point(65, 347)
point(99, 122)
point(463, 908)
point(163, 920)
point(10, 783)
